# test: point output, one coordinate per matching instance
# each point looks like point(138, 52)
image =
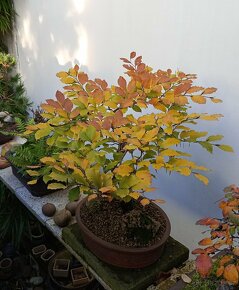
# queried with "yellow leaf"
point(32, 182)
point(170, 142)
point(202, 178)
point(107, 189)
point(62, 74)
point(170, 152)
point(185, 171)
point(214, 100)
point(145, 201)
point(67, 80)
point(134, 195)
point(213, 117)
point(123, 170)
point(150, 135)
point(144, 163)
point(48, 108)
point(47, 160)
point(56, 186)
point(42, 133)
point(57, 167)
point(145, 176)
point(33, 173)
point(199, 99)
point(92, 196)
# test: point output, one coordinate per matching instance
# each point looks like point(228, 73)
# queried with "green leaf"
point(136, 109)
point(226, 148)
point(206, 146)
point(74, 194)
point(90, 133)
point(42, 133)
point(214, 138)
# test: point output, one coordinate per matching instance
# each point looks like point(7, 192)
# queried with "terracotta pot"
point(122, 256)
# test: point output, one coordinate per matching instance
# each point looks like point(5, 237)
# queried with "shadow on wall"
point(41, 47)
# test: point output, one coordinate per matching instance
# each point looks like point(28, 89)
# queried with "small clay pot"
point(4, 163)
point(6, 265)
point(79, 276)
point(62, 218)
point(48, 209)
point(38, 250)
point(47, 255)
point(61, 268)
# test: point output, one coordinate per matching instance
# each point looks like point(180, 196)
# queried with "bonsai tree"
point(223, 241)
point(111, 138)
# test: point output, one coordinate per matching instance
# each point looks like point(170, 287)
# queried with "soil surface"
point(125, 224)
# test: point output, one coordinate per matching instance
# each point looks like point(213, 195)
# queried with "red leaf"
point(125, 60)
point(68, 105)
point(138, 60)
point(122, 82)
point(83, 78)
point(132, 54)
point(60, 97)
point(203, 265)
point(207, 222)
point(128, 67)
point(53, 103)
point(76, 67)
point(182, 88)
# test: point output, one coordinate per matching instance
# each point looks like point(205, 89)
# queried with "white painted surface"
point(196, 36)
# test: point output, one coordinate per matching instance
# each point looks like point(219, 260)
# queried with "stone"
point(117, 278)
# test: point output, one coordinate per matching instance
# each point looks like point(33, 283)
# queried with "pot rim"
point(121, 248)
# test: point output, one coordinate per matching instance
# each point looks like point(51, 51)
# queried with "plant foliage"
point(14, 218)
point(223, 239)
point(12, 92)
point(110, 138)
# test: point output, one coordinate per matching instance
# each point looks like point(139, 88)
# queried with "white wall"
point(196, 36)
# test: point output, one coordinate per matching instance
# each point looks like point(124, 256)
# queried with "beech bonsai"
point(222, 240)
point(111, 138)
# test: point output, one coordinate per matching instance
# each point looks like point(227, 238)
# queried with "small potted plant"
point(110, 140)
point(218, 257)
point(7, 124)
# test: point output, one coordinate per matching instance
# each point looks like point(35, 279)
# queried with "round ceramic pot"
point(122, 256)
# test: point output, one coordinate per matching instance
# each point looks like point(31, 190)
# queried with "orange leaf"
point(107, 189)
point(205, 242)
point(236, 251)
point(92, 196)
point(68, 105)
point(199, 99)
point(209, 91)
point(231, 274)
point(75, 113)
point(203, 265)
point(214, 100)
point(220, 271)
point(145, 201)
point(224, 260)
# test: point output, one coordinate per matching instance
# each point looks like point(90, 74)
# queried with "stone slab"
point(121, 279)
point(9, 179)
